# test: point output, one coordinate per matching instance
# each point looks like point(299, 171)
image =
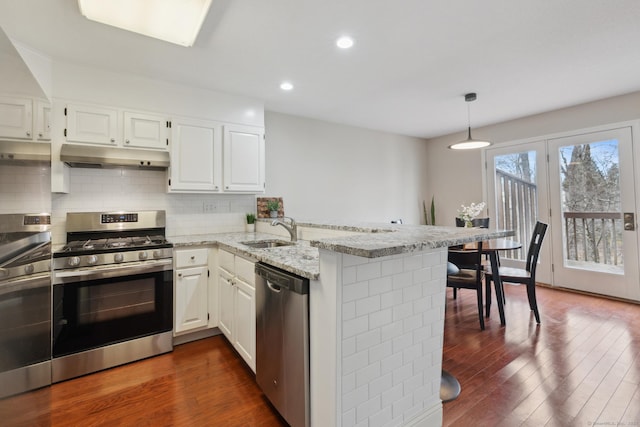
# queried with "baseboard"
point(195, 336)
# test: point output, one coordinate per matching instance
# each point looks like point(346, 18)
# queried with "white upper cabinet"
point(145, 131)
point(96, 125)
point(196, 147)
point(101, 125)
point(43, 121)
point(244, 159)
point(16, 118)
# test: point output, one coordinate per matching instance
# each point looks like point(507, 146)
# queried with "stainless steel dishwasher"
point(282, 342)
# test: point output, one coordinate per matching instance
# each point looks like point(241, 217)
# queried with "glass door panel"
point(592, 185)
point(517, 187)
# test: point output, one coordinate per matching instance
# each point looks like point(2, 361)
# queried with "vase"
point(468, 224)
point(273, 214)
point(250, 228)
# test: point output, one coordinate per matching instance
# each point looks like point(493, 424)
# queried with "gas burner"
point(96, 239)
point(121, 242)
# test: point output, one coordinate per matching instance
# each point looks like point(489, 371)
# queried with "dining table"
point(492, 248)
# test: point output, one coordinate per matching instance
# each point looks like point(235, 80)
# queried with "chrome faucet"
point(292, 228)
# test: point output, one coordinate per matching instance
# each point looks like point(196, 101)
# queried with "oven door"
point(97, 307)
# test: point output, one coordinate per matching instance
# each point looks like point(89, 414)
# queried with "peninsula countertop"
point(372, 241)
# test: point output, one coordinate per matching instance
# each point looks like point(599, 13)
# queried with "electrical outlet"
point(208, 207)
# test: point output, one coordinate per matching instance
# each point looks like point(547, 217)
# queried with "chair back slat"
point(534, 247)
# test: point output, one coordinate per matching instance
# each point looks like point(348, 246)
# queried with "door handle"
point(629, 219)
point(273, 287)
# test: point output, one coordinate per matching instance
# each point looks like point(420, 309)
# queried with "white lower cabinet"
point(191, 290)
point(237, 307)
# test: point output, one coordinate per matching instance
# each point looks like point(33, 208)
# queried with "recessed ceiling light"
point(286, 86)
point(176, 21)
point(344, 42)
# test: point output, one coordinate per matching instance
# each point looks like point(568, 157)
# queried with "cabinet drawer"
point(245, 270)
point(226, 260)
point(191, 257)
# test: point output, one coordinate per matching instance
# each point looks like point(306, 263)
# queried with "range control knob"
point(74, 261)
point(92, 259)
point(118, 258)
point(28, 269)
point(157, 254)
point(143, 255)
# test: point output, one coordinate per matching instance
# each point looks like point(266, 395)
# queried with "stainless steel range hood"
point(24, 153)
point(104, 157)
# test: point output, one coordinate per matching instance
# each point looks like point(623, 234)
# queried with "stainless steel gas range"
point(112, 292)
point(25, 302)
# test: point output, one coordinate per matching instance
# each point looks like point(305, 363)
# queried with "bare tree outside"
point(590, 188)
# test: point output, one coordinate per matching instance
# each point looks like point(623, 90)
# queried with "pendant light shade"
point(469, 143)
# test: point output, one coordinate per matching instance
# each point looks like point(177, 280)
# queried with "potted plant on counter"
point(272, 207)
point(250, 226)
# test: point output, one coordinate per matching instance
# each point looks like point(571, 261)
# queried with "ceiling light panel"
point(174, 21)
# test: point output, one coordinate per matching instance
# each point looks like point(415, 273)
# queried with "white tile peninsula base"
point(376, 339)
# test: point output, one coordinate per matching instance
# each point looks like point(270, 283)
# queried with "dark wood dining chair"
point(470, 274)
point(523, 276)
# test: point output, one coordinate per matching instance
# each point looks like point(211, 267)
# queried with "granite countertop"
point(393, 239)
point(300, 259)
point(376, 240)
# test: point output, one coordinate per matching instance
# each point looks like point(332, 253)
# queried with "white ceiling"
point(412, 63)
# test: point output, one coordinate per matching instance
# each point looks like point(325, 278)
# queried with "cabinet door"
point(16, 118)
point(195, 156)
point(245, 322)
point(225, 304)
point(191, 299)
point(43, 121)
point(145, 131)
point(244, 159)
point(91, 124)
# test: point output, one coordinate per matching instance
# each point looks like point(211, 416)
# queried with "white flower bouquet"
point(469, 213)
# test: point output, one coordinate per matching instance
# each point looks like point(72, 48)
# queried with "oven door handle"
point(67, 276)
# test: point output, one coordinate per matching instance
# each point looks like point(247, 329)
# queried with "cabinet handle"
point(193, 257)
point(113, 140)
point(40, 134)
point(126, 141)
point(179, 274)
point(29, 134)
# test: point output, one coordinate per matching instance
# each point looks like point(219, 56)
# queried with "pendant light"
point(469, 143)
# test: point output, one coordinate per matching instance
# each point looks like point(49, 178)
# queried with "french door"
point(517, 195)
point(583, 185)
point(592, 189)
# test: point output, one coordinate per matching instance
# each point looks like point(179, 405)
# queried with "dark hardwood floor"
point(580, 366)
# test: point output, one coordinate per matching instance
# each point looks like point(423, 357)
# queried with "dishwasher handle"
point(274, 288)
point(278, 280)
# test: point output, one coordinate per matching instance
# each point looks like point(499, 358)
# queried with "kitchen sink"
point(263, 244)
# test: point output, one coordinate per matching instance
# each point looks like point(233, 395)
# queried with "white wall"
point(455, 177)
point(97, 86)
point(336, 172)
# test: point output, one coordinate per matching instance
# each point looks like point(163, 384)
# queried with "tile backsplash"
point(25, 189)
point(129, 189)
